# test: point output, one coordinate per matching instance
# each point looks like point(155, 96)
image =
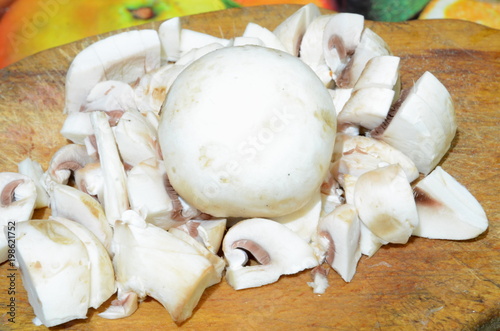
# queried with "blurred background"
point(30, 26)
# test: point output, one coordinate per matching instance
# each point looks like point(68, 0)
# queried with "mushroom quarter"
point(247, 131)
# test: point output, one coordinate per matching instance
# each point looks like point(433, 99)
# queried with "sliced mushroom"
point(124, 57)
point(89, 179)
point(446, 209)
point(384, 201)
point(385, 154)
point(102, 275)
point(115, 198)
point(125, 305)
point(77, 127)
point(108, 96)
point(17, 197)
point(292, 29)
point(311, 47)
point(305, 220)
point(341, 37)
point(369, 243)
point(423, 126)
point(147, 192)
point(52, 259)
point(195, 53)
point(381, 71)
point(340, 96)
point(64, 162)
point(207, 232)
point(269, 39)
point(342, 229)
point(242, 41)
point(170, 37)
point(152, 262)
point(230, 168)
point(331, 195)
point(33, 170)
point(193, 39)
point(371, 45)
point(277, 249)
point(71, 203)
point(151, 90)
point(367, 107)
point(136, 138)
point(218, 262)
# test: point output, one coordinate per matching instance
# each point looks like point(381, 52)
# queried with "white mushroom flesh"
point(277, 249)
point(229, 167)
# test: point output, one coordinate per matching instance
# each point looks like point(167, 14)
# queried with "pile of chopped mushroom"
point(191, 153)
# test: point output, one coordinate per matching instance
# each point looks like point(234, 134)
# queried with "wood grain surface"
point(423, 285)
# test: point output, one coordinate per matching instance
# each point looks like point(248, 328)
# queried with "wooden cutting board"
point(425, 284)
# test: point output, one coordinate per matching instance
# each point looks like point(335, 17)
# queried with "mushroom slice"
point(341, 228)
point(152, 262)
point(277, 249)
point(305, 220)
point(152, 88)
point(385, 204)
point(52, 259)
point(102, 275)
point(147, 192)
point(193, 39)
point(170, 38)
point(110, 95)
point(126, 57)
point(17, 197)
point(311, 48)
point(367, 107)
point(125, 305)
point(385, 153)
point(115, 200)
point(207, 232)
point(356, 163)
point(218, 262)
point(269, 39)
point(371, 45)
point(291, 30)
point(340, 96)
point(77, 127)
point(423, 126)
point(446, 209)
point(136, 138)
point(369, 243)
point(242, 41)
point(348, 183)
point(341, 37)
point(375, 91)
point(381, 71)
point(331, 195)
point(33, 170)
point(71, 203)
point(66, 160)
point(89, 179)
point(195, 53)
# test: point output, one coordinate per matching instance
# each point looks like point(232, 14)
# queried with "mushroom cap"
point(247, 132)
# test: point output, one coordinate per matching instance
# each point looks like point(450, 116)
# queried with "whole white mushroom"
point(247, 131)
